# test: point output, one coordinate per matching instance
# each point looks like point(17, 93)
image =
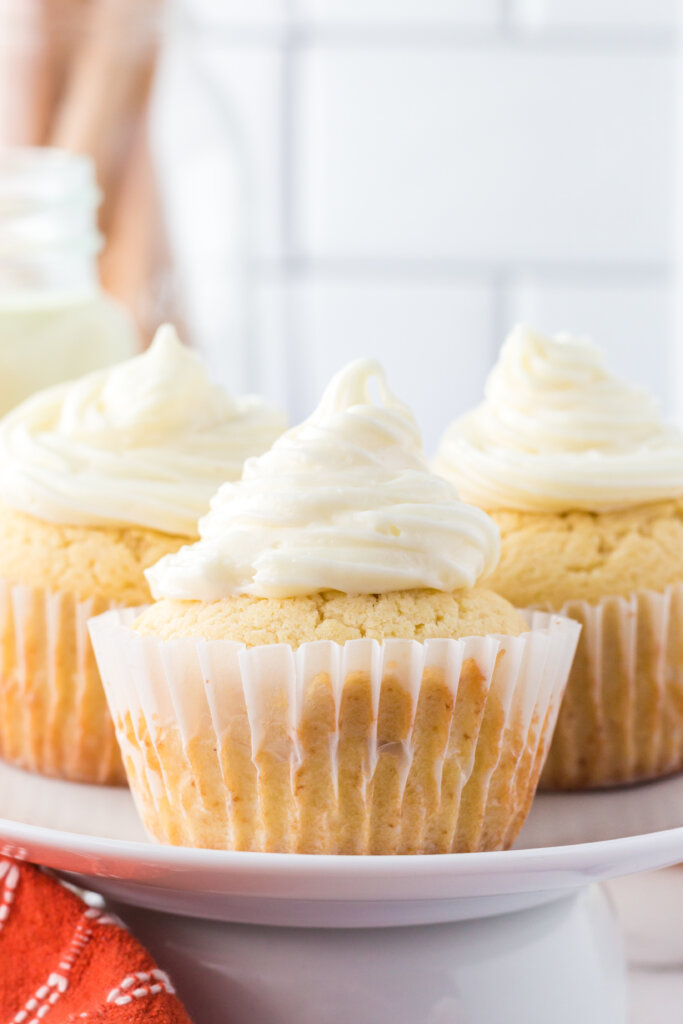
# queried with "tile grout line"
point(506, 34)
point(287, 142)
point(506, 18)
point(443, 270)
point(500, 320)
point(289, 212)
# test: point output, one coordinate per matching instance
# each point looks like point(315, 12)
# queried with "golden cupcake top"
point(106, 563)
point(345, 501)
point(558, 432)
point(144, 443)
point(547, 559)
point(402, 614)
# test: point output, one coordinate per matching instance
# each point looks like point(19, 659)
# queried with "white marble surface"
point(650, 908)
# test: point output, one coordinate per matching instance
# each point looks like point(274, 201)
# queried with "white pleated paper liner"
point(622, 717)
point(54, 717)
point(366, 747)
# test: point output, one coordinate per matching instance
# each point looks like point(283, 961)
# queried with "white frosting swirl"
point(345, 501)
point(143, 443)
point(557, 432)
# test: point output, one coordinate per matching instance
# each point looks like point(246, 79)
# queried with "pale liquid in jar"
point(56, 323)
point(49, 338)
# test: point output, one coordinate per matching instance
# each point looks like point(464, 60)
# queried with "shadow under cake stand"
point(521, 937)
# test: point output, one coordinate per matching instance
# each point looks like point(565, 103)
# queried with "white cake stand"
point(520, 937)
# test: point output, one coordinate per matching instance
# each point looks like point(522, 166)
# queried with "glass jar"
point(55, 321)
point(125, 82)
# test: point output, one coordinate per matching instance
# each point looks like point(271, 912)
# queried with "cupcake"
point(98, 479)
point(586, 484)
point(322, 672)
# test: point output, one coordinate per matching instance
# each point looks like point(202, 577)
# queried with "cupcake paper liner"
point(366, 747)
point(622, 716)
point(53, 713)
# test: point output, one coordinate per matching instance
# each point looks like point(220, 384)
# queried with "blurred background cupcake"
point(585, 482)
point(321, 672)
point(99, 477)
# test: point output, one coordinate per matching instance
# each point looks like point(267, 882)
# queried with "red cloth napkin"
point(62, 961)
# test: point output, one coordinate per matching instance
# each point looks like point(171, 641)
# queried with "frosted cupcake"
point(321, 672)
point(98, 479)
point(586, 485)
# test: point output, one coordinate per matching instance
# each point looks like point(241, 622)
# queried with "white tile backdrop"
point(612, 16)
point(489, 153)
point(420, 174)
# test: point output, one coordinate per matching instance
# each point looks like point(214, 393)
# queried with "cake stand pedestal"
point(515, 937)
point(561, 962)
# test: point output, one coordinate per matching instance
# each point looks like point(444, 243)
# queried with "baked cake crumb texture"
point(550, 559)
point(103, 562)
point(403, 614)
